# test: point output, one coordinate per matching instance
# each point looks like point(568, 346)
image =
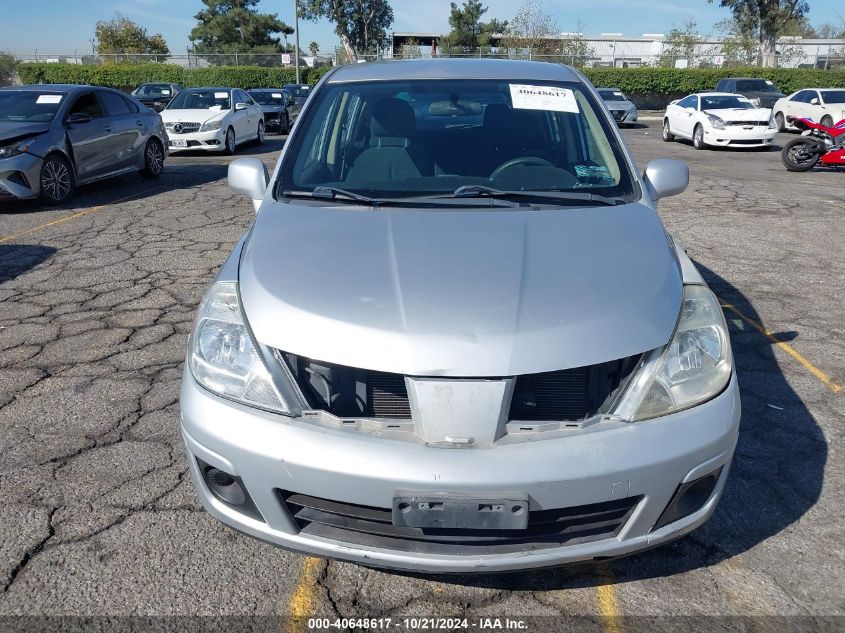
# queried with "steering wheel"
point(522, 161)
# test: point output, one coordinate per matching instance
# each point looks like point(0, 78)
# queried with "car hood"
point(272, 108)
point(460, 293)
point(741, 114)
point(619, 105)
point(13, 131)
point(191, 116)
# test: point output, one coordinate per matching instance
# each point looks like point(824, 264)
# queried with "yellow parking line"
point(606, 599)
point(302, 601)
point(815, 371)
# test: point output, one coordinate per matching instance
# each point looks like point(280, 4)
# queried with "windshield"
point(755, 85)
point(833, 96)
point(201, 100)
point(612, 95)
point(298, 91)
point(267, 98)
point(154, 91)
point(724, 103)
point(25, 105)
point(432, 137)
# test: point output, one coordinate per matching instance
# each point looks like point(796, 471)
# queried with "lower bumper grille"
point(373, 527)
point(619, 115)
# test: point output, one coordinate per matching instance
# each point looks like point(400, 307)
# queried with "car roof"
point(50, 87)
point(264, 89)
point(713, 93)
point(606, 88)
point(743, 79)
point(453, 69)
point(220, 88)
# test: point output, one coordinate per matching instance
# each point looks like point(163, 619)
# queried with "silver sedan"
point(55, 137)
point(623, 111)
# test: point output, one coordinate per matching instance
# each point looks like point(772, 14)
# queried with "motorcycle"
point(817, 144)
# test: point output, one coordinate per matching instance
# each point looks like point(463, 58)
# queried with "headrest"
point(392, 118)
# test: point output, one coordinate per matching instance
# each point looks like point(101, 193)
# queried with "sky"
point(63, 26)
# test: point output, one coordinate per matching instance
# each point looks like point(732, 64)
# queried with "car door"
point(256, 113)
point(802, 107)
point(815, 107)
point(89, 140)
point(243, 118)
point(686, 116)
point(125, 128)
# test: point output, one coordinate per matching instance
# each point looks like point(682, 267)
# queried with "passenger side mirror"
point(78, 117)
point(665, 177)
point(249, 176)
point(815, 101)
point(241, 106)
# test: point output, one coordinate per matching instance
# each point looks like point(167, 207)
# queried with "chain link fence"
point(188, 59)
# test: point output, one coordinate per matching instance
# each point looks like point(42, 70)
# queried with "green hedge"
point(128, 76)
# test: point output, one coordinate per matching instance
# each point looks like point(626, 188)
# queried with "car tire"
point(230, 144)
point(667, 132)
point(259, 135)
point(827, 121)
point(698, 137)
point(795, 158)
point(781, 122)
point(153, 159)
point(56, 181)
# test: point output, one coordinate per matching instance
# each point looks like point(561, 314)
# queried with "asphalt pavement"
point(99, 516)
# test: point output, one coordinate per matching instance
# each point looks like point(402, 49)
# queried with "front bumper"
point(212, 141)
point(738, 136)
point(624, 117)
point(20, 177)
point(271, 452)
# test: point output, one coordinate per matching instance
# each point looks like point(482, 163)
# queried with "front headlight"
point(7, 151)
point(716, 122)
point(222, 355)
point(694, 367)
point(210, 126)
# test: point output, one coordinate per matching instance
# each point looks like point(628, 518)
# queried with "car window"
point(430, 137)
point(724, 102)
point(612, 95)
point(798, 97)
point(834, 96)
point(755, 85)
point(87, 104)
point(29, 105)
point(155, 91)
point(267, 97)
point(686, 102)
point(201, 100)
point(114, 104)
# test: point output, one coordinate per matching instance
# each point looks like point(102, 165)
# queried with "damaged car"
point(459, 347)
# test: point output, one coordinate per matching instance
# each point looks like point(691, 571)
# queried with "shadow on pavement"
point(16, 259)
point(775, 479)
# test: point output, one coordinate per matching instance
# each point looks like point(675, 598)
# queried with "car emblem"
point(177, 128)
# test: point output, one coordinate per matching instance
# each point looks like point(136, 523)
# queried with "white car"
point(719, 119)
point(823, 105)
point(212, 119)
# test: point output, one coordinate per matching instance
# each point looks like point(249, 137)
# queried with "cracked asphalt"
point(99, 516)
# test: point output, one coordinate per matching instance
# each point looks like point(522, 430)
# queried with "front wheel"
point(781, 123)
point(797, 155)
point(827, 120)
point(153, 159)
point(57, 181)
point(698, 137)
point(667, 132)
point(230, 144)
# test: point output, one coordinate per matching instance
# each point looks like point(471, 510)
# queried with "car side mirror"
point(675, 102)
point(814, 101)
point(249, 176)
point(78, 118)
point(665, 177)
point(241, 106)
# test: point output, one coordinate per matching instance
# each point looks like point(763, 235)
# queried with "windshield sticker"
point(221, 95)
point(165, 92)
point(552, 98)
point(618, 94)
point(769, 82)
point(48, 99)
point(276, 95)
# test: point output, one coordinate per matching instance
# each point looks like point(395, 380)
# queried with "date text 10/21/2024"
point(418, 624)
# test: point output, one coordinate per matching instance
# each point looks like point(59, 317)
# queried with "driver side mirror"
point(665, 177)
point(241, 106)
point(78, 118)
point(249, 176)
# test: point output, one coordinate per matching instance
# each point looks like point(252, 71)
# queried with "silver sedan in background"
point(624, 112)
point(55, 137)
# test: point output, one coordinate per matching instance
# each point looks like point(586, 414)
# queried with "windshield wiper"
point(482, 191)
point(332, 193)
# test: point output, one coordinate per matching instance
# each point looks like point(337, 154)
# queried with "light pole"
point(296, 27)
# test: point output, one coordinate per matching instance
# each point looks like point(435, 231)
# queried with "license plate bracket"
point(179, 142)
point(453, 511)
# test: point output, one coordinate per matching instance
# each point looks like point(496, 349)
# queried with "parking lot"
point(100, 517)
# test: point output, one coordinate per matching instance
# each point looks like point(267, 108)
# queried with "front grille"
point(746, 142)
point(748, 123)
point(183, 128)
point(619, 115)
point(373, 527)
point(566, 395)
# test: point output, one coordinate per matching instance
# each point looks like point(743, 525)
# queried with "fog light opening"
point(689, 498)
point(229, 489)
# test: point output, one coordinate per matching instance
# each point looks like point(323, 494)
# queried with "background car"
point(823, 105)
point(213, 119)
point(623, 111)
point(300, 93)
point(761, 92)
point(55, 137)
point(156, 96)
point(274, 103)
point(718, 118)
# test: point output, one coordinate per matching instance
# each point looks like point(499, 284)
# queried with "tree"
point(236, 26)
point(830, 31)
point(125, 40)
point(574, 49)
point(768, 19)
point(361, 25)
point(468, 31)
point(8, 67)
point(681, 43)
point(314, 49)
point(739, 46)
point(532, 32)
